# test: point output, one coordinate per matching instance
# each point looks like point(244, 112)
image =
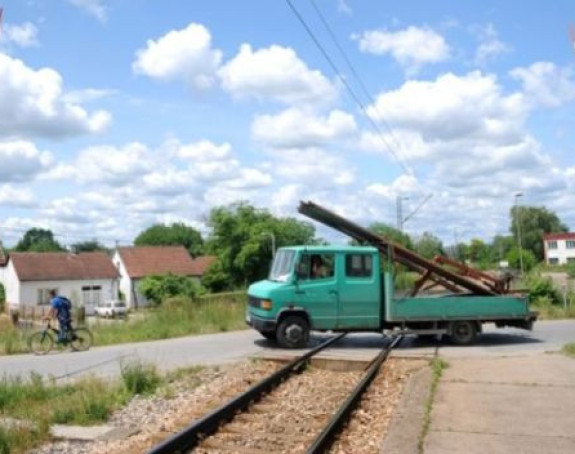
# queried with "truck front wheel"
point(293, 332)
point(463, 332)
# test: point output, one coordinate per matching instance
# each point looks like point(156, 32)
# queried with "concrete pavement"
point(523, 404)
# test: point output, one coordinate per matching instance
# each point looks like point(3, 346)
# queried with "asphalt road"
point(232, 346)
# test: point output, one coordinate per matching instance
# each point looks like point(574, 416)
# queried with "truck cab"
point(317, 288)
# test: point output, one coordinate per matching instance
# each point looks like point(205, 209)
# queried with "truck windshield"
point(282, 266)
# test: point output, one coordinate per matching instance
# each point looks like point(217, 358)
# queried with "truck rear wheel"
point(463, 332)
point(293, 332)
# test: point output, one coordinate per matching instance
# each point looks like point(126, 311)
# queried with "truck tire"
point(293, 332)
point(463, 332)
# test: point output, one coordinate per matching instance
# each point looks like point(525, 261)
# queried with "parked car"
point(111, 308)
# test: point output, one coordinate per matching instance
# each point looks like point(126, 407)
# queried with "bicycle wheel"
point(41, 342)
point(82, 339)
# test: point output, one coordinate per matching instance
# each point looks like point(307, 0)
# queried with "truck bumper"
point(262, 325)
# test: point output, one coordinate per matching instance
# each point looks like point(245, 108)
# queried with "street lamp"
point(273, 237)
point(518, 226)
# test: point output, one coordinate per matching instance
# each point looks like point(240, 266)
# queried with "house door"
point(91, 297)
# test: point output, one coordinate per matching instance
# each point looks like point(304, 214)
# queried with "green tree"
point(158, 288)
point(428, 245)
point(501, 245)
point(392, 234)
point(38, 240)
point(2, 298)
point(88, 246)
point(242, 238)
point(533, 223)
point(177, 234)
point(514, 259)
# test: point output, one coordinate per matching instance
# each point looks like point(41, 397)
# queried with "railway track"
point(288, 411)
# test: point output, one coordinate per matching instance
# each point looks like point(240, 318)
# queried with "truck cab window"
point(317, 266)
point(358, 265)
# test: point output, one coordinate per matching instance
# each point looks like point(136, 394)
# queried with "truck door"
point(316, 290)
point(359, 291)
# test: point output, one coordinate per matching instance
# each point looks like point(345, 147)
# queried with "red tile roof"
point(201, 264)
point(141, 261)
point(60, 266)
point(558, 236)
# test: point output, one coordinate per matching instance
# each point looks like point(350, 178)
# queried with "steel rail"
point(325, 439)
point(192, 435)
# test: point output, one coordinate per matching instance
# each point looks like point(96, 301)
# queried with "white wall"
point(561, 253)
point(12, 287)
point(128, 286)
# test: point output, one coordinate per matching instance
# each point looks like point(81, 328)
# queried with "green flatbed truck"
point(355, 292)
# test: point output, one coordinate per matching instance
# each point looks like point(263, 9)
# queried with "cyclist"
point(60, 308)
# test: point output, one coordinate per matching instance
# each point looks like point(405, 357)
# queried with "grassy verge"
point(438, 365)
point(35, 404)
point(549, 311)
point(174, 318)
point(569, 350)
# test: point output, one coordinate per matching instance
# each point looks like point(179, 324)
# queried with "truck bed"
point(460, 307)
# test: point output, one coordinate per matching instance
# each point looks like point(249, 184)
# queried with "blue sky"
point(115, 115)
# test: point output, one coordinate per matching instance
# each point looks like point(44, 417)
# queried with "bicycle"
point(42, 342)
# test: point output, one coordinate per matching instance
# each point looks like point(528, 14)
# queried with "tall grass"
point(36, 403)
point(177, 317)
point(174, 318)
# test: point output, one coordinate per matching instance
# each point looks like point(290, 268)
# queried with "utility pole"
point(518, 222)
point(399, 210)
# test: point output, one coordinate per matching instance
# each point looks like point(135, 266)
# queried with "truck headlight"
point(266, 304)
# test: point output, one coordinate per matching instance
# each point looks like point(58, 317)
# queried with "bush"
point(540, 288)
point(2, 299)
point(571, 270)
point(158, 288)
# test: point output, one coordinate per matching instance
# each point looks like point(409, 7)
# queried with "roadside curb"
point(407, 423)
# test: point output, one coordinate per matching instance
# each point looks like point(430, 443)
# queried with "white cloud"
point(88, 95)
point(490, 46)
point(454, 107)
point(33, 104)
point(412, 47)
point(23, 35)
point(11, 196)
point(295, 127)
point(22, 161)
point(112, 165)
point(275, 73)
point(545, 84)
point(96, 8)
point(204, 150)
point(181, 54)
point(313, 167)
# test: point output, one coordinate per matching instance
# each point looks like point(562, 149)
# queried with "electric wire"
point(359, 80)
point(348, 87)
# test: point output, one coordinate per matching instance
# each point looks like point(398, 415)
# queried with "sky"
point(119, 114)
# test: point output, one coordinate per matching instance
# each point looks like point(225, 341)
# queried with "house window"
point(570, 244)
point(552, 244)
point(570, 259)
point(91, 295)
point(554, 261)
point(44, 295)
point(358, 265)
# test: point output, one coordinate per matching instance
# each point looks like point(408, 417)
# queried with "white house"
point(559, 248)
point(85, 278)
point(135, 263)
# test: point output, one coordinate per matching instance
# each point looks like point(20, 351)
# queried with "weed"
point(569, 350)
point(438, 365)
point(139, 378)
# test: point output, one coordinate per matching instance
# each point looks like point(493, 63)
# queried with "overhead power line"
point(343, 80)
